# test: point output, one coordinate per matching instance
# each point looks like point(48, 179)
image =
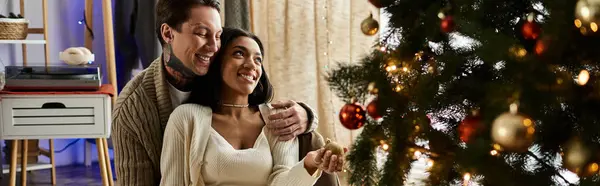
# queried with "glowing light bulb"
point(385, 147)
point(585, 12)
point(398, 88)
point(522, 52)
point(497, 147)
point(430, 163)
point(583, 77)
point(383, 49)
point(417, 154)
point(466, 179)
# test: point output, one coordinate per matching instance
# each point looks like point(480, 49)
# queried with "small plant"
point(12, 16)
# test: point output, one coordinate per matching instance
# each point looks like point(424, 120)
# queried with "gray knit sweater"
point(139, 119)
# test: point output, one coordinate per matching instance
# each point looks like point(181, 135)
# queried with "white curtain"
point(303, 41)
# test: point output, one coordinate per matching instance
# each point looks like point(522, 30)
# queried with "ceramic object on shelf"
point(77, 56)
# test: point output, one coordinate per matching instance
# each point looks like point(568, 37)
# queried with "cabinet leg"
point(13, 163)
point(102, 161)
point(53, 169)
point(24, 163)
point(108, 167)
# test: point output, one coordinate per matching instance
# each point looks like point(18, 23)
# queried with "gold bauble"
point(587, 10)
point(334, 147)
point(576, 156)
point(587, 16)
point(590, 169)
point(369, 26)
point(513, 132)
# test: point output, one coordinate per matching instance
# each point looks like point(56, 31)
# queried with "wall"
point(64, 32)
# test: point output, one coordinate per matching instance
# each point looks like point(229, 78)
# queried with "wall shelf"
point(101, 143)
point(22, 41)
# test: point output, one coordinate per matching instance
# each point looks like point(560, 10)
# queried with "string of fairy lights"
point(328, 64)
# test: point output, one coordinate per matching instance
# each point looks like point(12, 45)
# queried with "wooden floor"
point(76, 175)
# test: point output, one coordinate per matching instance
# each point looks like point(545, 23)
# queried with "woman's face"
point(197, 41)
point(242, 65)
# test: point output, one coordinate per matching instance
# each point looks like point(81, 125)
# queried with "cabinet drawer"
point(60, 116)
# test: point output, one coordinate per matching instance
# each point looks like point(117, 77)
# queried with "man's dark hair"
point(175, 12)
point(207, 89)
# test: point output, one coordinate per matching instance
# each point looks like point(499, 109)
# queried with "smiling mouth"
point(248, 77)
point(203, 58)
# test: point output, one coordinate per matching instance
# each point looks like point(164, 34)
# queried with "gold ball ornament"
point(587, 15)
point(369, 26)
point(335, 148)
point(513, 132)
point(590, 169)
point(587, 10)
point(576, 156)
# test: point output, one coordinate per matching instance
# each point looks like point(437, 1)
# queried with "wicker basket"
point(13, 29)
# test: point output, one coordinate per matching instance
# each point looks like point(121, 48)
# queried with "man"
point(189, 32)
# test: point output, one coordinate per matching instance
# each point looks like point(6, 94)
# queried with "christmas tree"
point(485, 92)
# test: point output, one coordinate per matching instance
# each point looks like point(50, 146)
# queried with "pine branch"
point(529, 153)
point(363, 170)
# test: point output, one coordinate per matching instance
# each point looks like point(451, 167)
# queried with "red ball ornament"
point(531, 30)
point(540, 47)
point(469, 127)
point(447, 24)
point(353, 116)
point(376, 3)
point(372, 110)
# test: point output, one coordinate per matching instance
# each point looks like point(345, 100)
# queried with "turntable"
point(53, 77)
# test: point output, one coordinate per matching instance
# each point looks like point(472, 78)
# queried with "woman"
point(234, 146)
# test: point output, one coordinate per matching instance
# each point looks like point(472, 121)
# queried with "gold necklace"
point(234, 105)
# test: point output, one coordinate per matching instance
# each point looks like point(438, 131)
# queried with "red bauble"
point(540, 47)
point(372, 110)
point(531, 30)
point(353, 116)
point(469, 127)
point(376, 3)
point(447, 24)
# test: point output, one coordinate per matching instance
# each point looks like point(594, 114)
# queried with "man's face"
point(198, 40)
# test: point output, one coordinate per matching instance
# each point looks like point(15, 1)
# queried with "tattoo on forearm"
point(179, 75)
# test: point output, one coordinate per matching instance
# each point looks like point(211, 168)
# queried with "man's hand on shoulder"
point(290, 122)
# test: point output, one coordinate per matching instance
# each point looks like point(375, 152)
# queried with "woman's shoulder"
point(265, 110)
point(190, 112)
point(192, 108)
